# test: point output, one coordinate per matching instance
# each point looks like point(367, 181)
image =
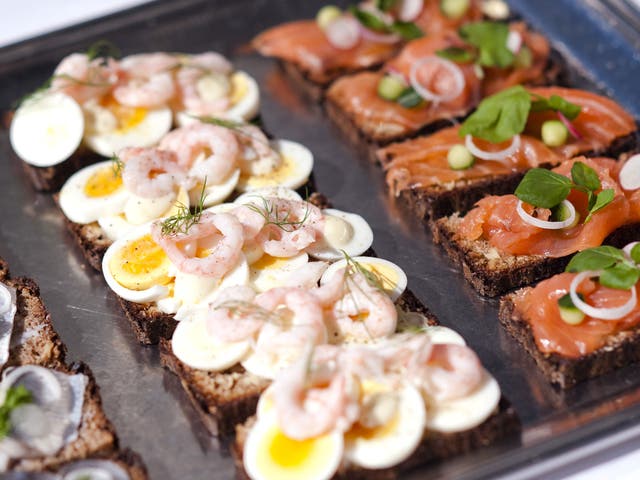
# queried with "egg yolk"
point(359, 431)
point(267, 262)
point(127, 117)
point(140, 264)
point(239, 88)
point(385, 275)
point(285, 171)
point(103, 182)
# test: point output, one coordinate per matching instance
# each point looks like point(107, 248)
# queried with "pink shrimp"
point(290, 226)
point(450, 371)
point(252, 222)
point(149, 172)
point(222, 230)
point(148, 64)
point(148, 81)
point(309, 404)
point(307, 276)
point(84, 79)
point(208, 61)
point(258, 158)
point(218, 145)
point(232, 318)
point(332, 291)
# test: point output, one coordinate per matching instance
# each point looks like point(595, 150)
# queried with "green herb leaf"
point(102, 49)
point(369, 20)
point(407, 30)
point(117, 166)
point(491, 40)
point(635, 253)
point(15, 397)
point(585, 176)
point(385, 5)
point(566, 302)
point(543, 188)
point(557, 104)
point(456, 54)
point(273, 216)
point(604, 198)
point(598, 258)
point(500, 116)
point(621, 276)
point(409, 98)
point(181, 222)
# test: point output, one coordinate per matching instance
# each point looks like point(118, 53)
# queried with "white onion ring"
point(547, 225)
point(458, 79)
point(498, 156)
point(627, 249)
point(343, 32)
point(54, 389)
point(514, 42)
point(630, 173)
point(386, 38)
point(6, 300)
point(615, 313)
point(409, 10)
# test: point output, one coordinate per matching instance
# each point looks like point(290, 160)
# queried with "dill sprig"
point(181, 222)
point(102, 49)
point(273, 216)
point(242, 309)
point(373, 278)
point(117, 165)
point(235, 126)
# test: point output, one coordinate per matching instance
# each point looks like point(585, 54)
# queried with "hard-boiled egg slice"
point(292, 172)
point(395, 422)
point(440, 334)
point(465, 413)
point(343, 232)
point(271, 272)
point(136, 268)
point(256, 196)
point(214, 193)
point(47, 129)
point(193, 345)
point(93, 470)
point(93, 192)
point(390, 276)
point(270, 455)
point(8, 310)
point(110, 127)
point(245, 97)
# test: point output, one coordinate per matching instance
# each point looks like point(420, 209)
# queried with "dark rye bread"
point(431, 202)
point(51, 179)
point(226, 399)
point(492, 272)
point(620, 350)
point(96, 435)
point(502, 424)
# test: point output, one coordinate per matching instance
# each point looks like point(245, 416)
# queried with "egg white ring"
point(261, 279)
point(461, 414)
point(255, 196)
point(80, 208)
point(394, 294)
point(254, 447)
point(295, 152)
point(397, 447)
point(238, 276)
point(114, 226)
point(630, 173)
point(439, 334)
point(215, 194)
point(150, 294)
point(323, 250)
point(147, 133)
point(31, 126)
point(207, 354)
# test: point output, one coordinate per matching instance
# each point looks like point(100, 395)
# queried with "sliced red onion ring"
point(458, 79)
point(547, 225)
point(409, 10)
point(498, 156)
point(570, 126)
point(387, 38)
point(630, 173)
point(627, 249)
point(343, 32)
point(514, 42)
point(615, 313)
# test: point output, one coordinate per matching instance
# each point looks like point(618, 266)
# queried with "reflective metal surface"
point(147, 405)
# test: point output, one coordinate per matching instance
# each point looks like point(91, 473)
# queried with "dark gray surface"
point(147, 405)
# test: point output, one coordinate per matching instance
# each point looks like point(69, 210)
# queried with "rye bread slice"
point(504, 423)
point(431, 202)
point(226, 399)
point(620, 350)
point(492, 272)
point(96, 435)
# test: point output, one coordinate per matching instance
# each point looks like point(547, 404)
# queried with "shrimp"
point(149, 172)
point(221, 233)
point(450, 371)
point(364, 312)
point(252, 222)
point(208, 61)
point(258, 158)
point(231, 316)
point(307, 276)
point(84, 79)
point(148, 64)
point(290, 226)
point(151, 92)
point(218, 145)
point(308, 404)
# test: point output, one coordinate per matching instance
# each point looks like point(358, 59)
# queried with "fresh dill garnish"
point(273, 216)
point(373, 278)
point(235, 126)
point(117, 165)
point(181, 222)
point(102, 49)
point(241, 309)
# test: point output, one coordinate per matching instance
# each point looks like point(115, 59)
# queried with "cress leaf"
point(635, 253)
point(15, 397)
point(385, 5)
point(491, 40)
point(585, 176)
point(604, 198)
point(543, 188)
point(557, 104)
point(500, 116)
point(368, 20)
point(407, 30)
point(620, 276)
point(598, 258)
point(409, 98)
point(456, 54)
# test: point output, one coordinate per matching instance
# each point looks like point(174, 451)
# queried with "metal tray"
point(147, 405)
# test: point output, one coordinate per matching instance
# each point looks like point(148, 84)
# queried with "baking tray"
point(147, 405)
